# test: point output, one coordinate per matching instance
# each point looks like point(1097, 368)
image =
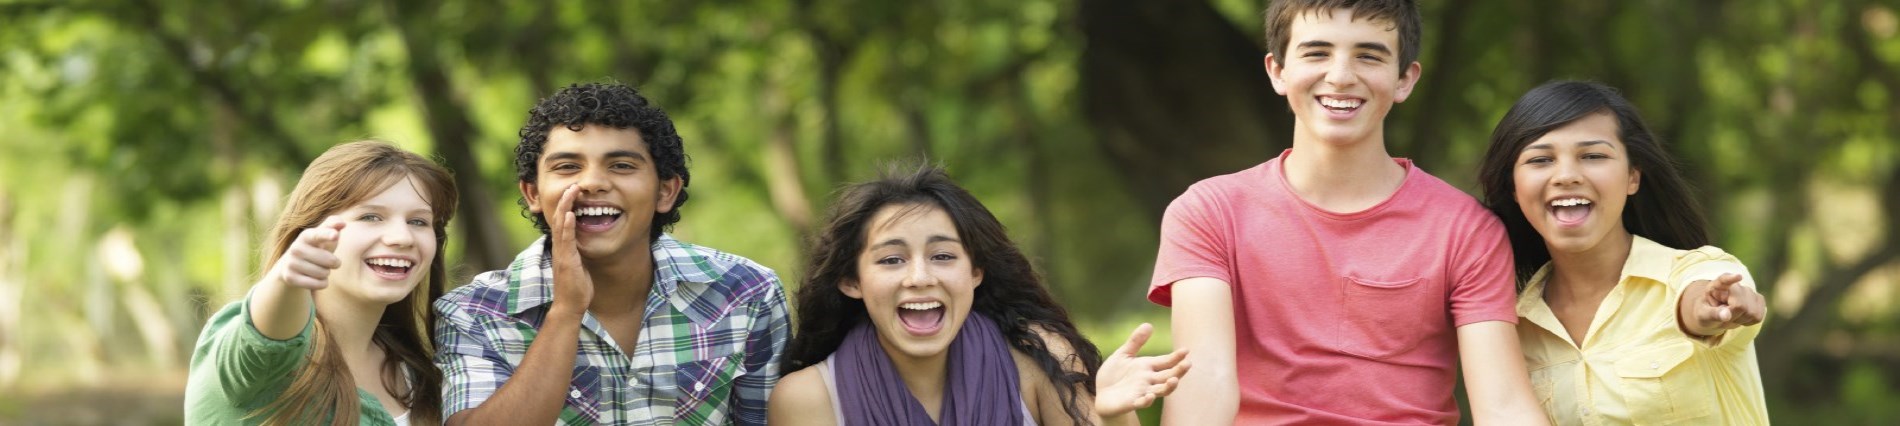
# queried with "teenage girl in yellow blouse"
point(1627, 315)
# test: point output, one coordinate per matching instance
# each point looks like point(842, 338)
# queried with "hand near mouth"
point(310, 259)
point(573, 287)
point(1128, 381)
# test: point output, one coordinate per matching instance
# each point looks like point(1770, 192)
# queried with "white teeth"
point(393, 263)
point(596, 211)
point(921, 306)
point(1340, 103)
point(1567, 202)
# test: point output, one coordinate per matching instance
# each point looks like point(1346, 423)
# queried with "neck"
point(1590, 272)
point(924, 376)
point(621, 283)
point(351, 326)
point(1340, 177)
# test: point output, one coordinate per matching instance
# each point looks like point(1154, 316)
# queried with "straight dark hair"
point(1664, 209)
point(1012, 293)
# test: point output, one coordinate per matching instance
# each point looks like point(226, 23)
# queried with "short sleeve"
point(1194, 244)
point(472, 368)
point(1483, 287)
point(765, 342)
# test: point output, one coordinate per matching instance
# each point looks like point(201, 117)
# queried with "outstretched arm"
point(1709, 309)
point(1128, 381)
point(280, 303)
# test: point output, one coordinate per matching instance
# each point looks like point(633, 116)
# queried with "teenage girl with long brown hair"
point(336, 330)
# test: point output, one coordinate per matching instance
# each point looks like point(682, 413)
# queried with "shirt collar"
point(1647, 259)
point(531, 276)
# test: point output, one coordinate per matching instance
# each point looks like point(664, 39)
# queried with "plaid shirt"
point(707, 354)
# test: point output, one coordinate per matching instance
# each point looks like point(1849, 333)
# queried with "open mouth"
point(390, 268)
point(921, 318)
point(596, 219)
point(1341, 105)
point(1570, 211)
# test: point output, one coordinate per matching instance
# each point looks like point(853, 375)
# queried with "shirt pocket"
point(1661, 387)
point(1383, 319)
point(705, 387)
point(584, 396)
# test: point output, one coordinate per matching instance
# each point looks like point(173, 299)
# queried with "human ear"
point(849, 286)
point(528, 193)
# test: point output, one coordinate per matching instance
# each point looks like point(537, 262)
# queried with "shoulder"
point(732, 273)
point(1441, 196)
point(801, 397)
point(487, 293)
point(1220, 187)
point(1705, 263)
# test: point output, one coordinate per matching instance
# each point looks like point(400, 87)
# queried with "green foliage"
point(186, 122)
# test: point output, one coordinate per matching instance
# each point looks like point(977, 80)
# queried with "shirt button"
point(1652, 365)
point(699, 387)
point(574, 393)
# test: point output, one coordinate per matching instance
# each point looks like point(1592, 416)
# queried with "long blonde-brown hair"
point(342, 177)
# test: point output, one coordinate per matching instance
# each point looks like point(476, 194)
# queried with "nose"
point(399, 236)
point(1567, 173)
point(594, 179)
point(919, 276)
point(1339, 71)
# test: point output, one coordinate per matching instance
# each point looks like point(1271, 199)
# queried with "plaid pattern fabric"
point(707, 353)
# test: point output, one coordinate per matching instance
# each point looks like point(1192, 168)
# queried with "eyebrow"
point(900, 241)
point(382, 208)
point(570, 155)
point(1584, 144)
point(1373, 46)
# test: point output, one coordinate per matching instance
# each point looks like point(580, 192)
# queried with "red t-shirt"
point(1341, 318)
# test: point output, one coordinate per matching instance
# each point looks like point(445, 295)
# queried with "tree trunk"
point(486, 245)
point(1176, 94)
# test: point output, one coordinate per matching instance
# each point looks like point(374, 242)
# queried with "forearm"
point(279, 311)
point(1128, 418)
point(1204, 398)
point(535, 393)
point(1496, 380)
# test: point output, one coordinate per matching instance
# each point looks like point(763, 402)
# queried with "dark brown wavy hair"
point(1012, 293)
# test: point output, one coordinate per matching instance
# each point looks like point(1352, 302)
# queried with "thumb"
point(1132, 347)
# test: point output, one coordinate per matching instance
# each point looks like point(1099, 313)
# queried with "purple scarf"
point(981, 386)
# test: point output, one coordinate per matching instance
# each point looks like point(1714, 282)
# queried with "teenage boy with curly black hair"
point(606, 319)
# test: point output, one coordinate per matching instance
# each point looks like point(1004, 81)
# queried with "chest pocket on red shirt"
point(1383, 319)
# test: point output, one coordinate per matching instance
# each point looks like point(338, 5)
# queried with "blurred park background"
point(146, 144)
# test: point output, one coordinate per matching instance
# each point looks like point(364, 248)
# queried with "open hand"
point(573, 287)
point(307, 263)
point(1128, 381)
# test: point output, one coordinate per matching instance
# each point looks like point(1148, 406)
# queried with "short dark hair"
point(1402, 14)
point(1664, 210)
point(603, 104)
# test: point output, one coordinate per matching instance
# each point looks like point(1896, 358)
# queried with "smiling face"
point(620, 188)
point(387, 245)
point(1573, 182)
point(915, 278)
point(1341, 77)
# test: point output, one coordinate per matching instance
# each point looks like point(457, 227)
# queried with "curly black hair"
point(1012, 292)
point(603, 104)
